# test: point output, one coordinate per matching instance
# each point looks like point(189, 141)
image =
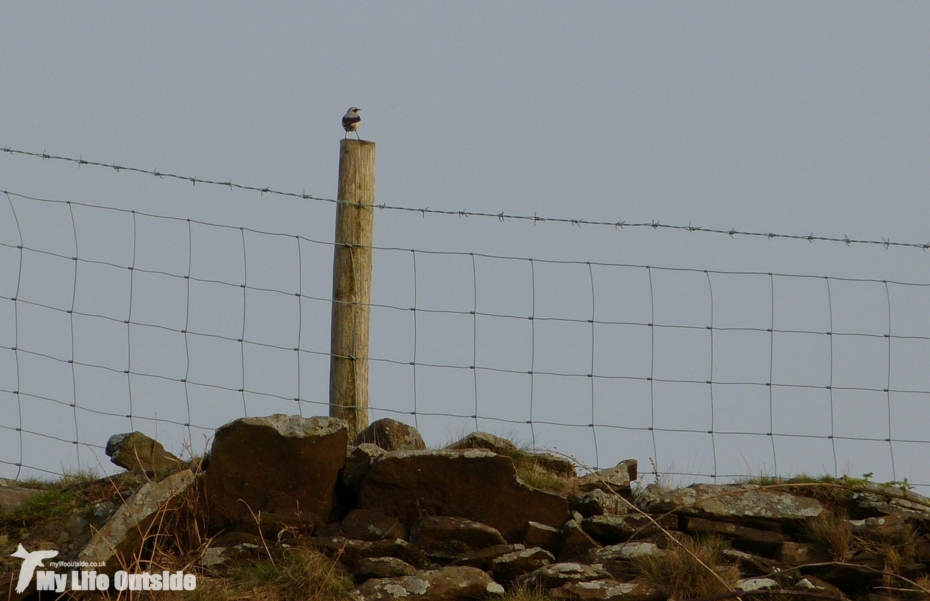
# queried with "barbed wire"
point(502, 216)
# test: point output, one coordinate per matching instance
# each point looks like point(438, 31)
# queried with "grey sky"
point(788, 117)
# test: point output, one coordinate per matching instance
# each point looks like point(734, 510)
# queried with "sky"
point(792, 118)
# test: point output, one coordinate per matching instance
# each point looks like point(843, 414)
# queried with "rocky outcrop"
point(460, 524)
point(475, 484)
point(277, 471)
point(136, 451)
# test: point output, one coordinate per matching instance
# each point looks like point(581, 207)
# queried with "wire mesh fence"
point(113, 320)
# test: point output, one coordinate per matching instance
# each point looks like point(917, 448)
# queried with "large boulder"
point(136, 451)
point(279, 470)
point(475, 484)
point(454, 583)
point(391, 435)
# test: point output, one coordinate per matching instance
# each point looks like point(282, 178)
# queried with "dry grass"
point(537, 476)
point(524, 592)
point(832, 534)
point(679, 573)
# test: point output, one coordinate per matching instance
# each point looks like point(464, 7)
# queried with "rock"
point(598, 502)
point(556, 574)
point(483, 440)
point(812, 583)
point(880, 527)
point(731, 502)
point(502, 446)
point(372, 524)
point(409, 484)
point(283, 467)
point(753, 538)
point(575, 541)
point(795, 554)
point(447, 537)
point(350, 552)
point(482, 559)
point(358, 461)
point(115, 544)
point(619, 528)
point(540, 535)
point(382, 567)
point(510, 566)
point(136, 451)
point(755, 584)
point(615, 479)
point(550, 463)
point(890, 499)
point(622, 551)
point(12, 496)
point(212, 556)
point(607, 590)
point(454, 583)
point(391, 435)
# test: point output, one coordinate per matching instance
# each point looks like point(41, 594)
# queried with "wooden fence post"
point(348, 364)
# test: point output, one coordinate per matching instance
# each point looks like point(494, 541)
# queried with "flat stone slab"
point(475, 484)
point(731, 501)
point(556, 574)
point(454, 583)
point(448, 537)
point(606, 590)
point(12, 496)
point(121, 537)
point(350, 552)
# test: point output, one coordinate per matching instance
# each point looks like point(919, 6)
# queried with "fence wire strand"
point(484, 408)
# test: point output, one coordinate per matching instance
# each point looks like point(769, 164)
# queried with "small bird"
point(350, 121)
point(31, 561)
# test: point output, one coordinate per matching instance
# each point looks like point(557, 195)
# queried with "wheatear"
point(350, 121)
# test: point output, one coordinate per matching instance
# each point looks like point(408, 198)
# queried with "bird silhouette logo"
point(30, 562)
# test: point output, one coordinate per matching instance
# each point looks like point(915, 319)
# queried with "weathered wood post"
point(348, 363)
